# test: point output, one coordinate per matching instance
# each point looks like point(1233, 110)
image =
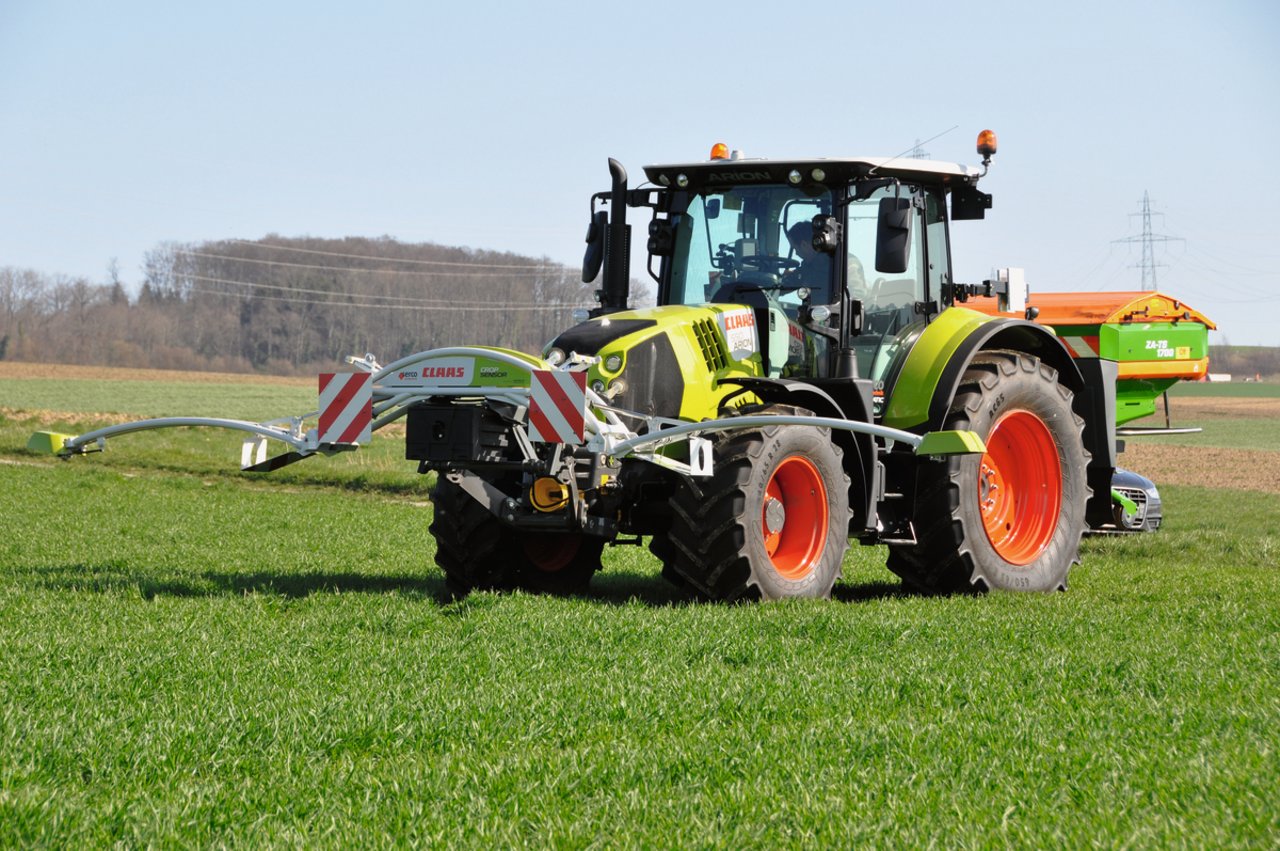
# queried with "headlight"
point(613, 363)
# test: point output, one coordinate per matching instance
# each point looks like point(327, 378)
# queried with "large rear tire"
point(476, 550)
point(1011, 519)
point(770, 523)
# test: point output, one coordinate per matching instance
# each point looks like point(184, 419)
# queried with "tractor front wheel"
point(476, 550)
point(771, 522)
point(1011, 519)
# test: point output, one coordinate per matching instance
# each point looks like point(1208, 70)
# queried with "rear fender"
point(931, 373)
point(1093, 383)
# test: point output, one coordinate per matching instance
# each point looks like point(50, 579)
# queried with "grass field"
point(1232, 389)
point(192, 657)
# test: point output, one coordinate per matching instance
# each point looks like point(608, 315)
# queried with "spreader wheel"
point(1011, 519)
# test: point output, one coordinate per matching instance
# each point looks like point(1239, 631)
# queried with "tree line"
point(298, 305)
point(288, 305)
point(1245, 362)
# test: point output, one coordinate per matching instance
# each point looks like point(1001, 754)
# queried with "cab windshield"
point(750, 239)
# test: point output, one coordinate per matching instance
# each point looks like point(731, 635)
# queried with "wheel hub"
point(988, 487)
point(775, 516)
point(551, 552)
point(795, 490)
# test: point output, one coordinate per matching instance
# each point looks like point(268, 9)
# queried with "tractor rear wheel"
point(772, 520)
point(476, 550)
point(1011, 519)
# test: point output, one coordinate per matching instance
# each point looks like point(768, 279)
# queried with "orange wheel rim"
point(1020, 487)
point(793, 519)
point(551, 552)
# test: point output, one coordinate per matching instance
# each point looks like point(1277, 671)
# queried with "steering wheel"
point(768, 263)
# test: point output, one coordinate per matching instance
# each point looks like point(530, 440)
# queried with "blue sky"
point(488, 125)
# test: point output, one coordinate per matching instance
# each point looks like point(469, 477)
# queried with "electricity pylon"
point(1148, 240)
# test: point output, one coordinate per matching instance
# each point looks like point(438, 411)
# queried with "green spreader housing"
point(1154, 339)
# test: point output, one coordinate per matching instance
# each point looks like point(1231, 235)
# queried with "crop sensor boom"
point(812, 374)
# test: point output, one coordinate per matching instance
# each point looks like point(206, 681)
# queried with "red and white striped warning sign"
point(557, 406)
point(346, 407)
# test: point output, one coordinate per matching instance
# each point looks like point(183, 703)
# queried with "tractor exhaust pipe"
point(617, 256)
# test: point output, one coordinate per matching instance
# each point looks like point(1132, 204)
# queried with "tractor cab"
point(753, 246)
point(842, 262)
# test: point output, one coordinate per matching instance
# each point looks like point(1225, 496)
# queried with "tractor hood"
point(666, 361)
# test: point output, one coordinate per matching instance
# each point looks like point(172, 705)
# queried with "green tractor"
point(807, 317)
point(810, 376)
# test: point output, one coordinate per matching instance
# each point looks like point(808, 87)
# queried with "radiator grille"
point(713, 351)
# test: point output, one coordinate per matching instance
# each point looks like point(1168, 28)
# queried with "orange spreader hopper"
point(1155, 339)
point(1102, 307)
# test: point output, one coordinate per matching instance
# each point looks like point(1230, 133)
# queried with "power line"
point(384, 259)
point(542, 271)
point(1236, 267)
point(407, 301)
point(489, 308)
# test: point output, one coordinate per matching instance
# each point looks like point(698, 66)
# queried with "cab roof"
point(835, 171)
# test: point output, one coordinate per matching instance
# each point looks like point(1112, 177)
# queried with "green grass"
point(248, 400)
point(186, 663)
point(1221, 432)
point(1218, 431)
point(208, 452)
point(1250, 389)
point(191, 656)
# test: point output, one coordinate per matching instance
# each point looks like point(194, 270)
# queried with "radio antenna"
point(914, 147)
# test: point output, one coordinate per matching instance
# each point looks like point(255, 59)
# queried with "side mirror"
point(594, 256)
point(893, 235)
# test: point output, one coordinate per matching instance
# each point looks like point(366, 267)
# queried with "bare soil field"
point(73, 418)
point(1215, 467)
point(1189, 409)
point(45, 371)
point(1205, 466)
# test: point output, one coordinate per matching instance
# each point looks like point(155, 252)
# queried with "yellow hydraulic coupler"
point(548, 495)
